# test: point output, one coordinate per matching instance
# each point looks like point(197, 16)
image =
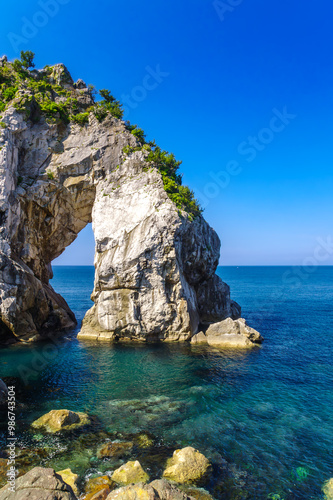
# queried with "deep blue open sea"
point(265, 415)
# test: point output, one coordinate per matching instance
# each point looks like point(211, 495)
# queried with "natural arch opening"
point(80, 252)
point(73, 273)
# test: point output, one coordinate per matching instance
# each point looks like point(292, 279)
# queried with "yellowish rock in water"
point(157, 490)
point(131, 472)
point(61, 420)
point(114, 449)
point(187, 466)
point(134, 492)
point(70, 478)
point(144, 441)
point(328, 489)
point(98, 488)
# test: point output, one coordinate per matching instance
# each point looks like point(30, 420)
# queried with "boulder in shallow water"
point(169, 491)
point(98, 488)
point(138, 491)
point(61, 420)
point(39, 484)
point(70, 478)
point(131, 472)
point(199, 338)
point(114, 449)
point(157, 490)
point(229, 333)
point(328, 489)
point(187, 466)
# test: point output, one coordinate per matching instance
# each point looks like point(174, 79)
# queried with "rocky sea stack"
point(67, 160)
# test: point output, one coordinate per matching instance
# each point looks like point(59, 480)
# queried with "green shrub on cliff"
point(168, 166)
point(137, 132)
point(55, 111)
point(110, 103)
point(182, 196)
point(80, 118)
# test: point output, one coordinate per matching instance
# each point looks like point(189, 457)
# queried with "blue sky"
point(223, 71)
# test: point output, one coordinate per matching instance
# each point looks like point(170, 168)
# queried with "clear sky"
point(240, 90)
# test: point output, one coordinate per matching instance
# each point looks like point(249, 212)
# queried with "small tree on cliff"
point(110, 104)
point(27, 59)
point(107, 96)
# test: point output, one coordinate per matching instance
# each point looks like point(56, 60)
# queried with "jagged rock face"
point(155, 269)
point(38, 484)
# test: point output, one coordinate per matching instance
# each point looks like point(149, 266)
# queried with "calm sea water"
point(266, 413)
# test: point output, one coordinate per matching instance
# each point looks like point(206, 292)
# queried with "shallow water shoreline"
point(265, 412)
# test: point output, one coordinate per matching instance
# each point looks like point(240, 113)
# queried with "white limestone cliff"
point(154, 267)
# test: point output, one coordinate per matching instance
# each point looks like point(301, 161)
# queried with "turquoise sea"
point(264, 417)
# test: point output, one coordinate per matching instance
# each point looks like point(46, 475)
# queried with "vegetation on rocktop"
point(168, 166)
point(54, 96)
point(38, 93)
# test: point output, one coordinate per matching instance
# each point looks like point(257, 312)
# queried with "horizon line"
point(219, 265)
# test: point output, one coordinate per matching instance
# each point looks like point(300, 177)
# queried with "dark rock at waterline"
point(3, 394)
point(20, 388)
point(39, 484)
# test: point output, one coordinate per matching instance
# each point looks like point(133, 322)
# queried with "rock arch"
point(154, 268)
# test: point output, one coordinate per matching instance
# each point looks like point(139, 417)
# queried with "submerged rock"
point(70, 478)
point(144, 441)
point(328, 489)
point(155, 263)
point(229, 333)
point(61, 420)
point(114, 449)
point(131, 472)
point(187, 466)
point(39, 484)
point(197, 493)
